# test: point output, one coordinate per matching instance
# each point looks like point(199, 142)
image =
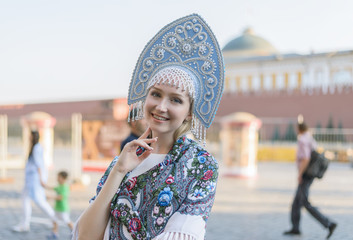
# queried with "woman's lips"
point(160, 118)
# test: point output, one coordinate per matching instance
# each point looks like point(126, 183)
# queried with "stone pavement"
point(245, 209)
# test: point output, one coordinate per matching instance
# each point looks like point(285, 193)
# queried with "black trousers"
point(300, 200)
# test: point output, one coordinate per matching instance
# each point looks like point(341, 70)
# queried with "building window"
point(342, 77)
point(268, 83)
point(256, 84)
point(319, 78)
point(244, 84)
point(292, 81)
point(280, 82)
point(232, 85)
point(307, 81)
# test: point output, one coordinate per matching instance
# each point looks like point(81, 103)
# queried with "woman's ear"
point(188, 118)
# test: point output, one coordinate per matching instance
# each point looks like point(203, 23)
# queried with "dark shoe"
point(52, 236)
point(331, 229)
point(292, 232)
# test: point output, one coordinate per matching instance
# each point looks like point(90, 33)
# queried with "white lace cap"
point(176, 77)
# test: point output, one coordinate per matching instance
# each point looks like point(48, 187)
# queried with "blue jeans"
point(300, 200)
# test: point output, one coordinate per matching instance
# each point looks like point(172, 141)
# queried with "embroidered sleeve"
point(202, 172)
point(104, 178)
point(183, 227)
point(174, 236)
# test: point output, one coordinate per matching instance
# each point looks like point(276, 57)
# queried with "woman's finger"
point(146, 133)
point(141, 143)
point(150, 140)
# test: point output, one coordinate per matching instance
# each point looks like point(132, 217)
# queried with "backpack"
point(317, 166)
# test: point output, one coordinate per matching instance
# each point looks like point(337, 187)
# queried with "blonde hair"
point(186, 125)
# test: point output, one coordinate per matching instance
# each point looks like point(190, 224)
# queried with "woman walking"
point(35, 179)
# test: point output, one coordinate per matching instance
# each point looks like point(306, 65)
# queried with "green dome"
point(249, 44)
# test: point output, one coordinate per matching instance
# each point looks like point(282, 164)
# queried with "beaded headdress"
point(186, 54)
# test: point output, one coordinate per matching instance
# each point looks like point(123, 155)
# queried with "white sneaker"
point(20, 228)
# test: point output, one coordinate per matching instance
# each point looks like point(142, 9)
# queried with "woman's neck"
point(163, 144)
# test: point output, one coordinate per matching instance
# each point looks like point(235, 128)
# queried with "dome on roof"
point(249, 44)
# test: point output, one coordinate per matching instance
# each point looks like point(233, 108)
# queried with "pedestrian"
point(306, 143)
point(136, 129)
point(62, 209)
point(35, 179)
point(162, 186)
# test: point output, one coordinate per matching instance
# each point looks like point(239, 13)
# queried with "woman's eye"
point(155, 94)
point(177, 100)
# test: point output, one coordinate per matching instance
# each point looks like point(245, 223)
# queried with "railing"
point(338, 141)
point(339, 137)
point(334, 138)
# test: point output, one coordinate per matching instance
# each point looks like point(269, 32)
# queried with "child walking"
point(62, 209)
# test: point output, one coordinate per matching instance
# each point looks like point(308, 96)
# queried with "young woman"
point(162, 186)
point(35, 179)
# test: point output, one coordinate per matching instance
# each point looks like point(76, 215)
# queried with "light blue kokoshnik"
point(188, 44)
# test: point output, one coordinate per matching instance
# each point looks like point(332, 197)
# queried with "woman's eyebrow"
point(174, 93)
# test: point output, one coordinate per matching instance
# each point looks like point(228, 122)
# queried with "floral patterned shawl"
point(184, 182)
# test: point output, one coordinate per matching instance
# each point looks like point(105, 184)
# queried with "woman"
point(35, 179)
point(162, 186)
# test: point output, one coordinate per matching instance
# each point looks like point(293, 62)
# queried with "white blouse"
point(179, 226)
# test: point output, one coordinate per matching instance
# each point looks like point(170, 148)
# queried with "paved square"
point(245, 209)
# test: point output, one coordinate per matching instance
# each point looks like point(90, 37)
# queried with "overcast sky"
point(64, 50)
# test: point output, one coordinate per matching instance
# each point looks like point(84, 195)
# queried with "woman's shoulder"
point(196, 146)
point(37, 148)
point(199, 163)
point(197, 151)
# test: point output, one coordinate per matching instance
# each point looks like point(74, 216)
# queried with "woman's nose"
point(162, 105)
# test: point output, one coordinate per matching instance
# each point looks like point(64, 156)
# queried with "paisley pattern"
point(184, 182)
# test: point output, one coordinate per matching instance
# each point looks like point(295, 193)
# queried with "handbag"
point(317, 166)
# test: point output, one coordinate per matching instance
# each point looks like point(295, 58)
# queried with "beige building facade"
point(254, 65)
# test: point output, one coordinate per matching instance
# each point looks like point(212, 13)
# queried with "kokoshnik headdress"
point(186, 54)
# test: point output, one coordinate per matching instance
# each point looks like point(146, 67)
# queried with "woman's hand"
point(42, 183)
point(128, 158)
point(94, 219)
point(300, 179)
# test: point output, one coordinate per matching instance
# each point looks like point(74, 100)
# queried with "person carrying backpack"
point(305, 144)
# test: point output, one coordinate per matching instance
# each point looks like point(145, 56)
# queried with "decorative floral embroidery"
point(184, 182)
point(134, 225)
point(165, 197)
point(169, 180)
point(131, 184)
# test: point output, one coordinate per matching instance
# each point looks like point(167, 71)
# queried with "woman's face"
point(166, 108)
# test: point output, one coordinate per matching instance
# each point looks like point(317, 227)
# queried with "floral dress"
point(180, 187)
